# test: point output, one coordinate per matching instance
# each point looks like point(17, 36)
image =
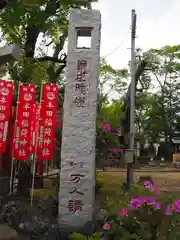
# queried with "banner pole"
point(47, 168)
point(12, 162)
point(36, 145)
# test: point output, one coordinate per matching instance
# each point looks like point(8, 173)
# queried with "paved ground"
point(146, 169)
point(165, 180)
point(7, 233)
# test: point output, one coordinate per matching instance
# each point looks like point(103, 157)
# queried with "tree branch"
point(51, 59)
point(59, 70)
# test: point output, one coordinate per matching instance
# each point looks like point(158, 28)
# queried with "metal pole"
point(36, 146)
point(132, 98)
point(14, 141)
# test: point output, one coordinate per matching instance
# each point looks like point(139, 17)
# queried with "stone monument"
point(77, 177)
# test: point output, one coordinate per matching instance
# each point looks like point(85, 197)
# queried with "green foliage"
point(112, 81)
point(144, 222)
point(36, 25)
point(111, 113)
point(158, 111)
point(78, 236)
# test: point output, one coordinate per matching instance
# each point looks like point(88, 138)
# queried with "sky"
point(157, 26)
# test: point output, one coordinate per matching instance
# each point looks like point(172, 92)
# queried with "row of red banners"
point(35, 123)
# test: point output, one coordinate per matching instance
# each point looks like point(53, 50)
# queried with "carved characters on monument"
point(75, 206)
point(76, 178)
point(81, 87)
point(75, 190)
point(76, 164)
point(81, 70)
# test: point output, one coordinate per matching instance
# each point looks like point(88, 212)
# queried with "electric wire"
point(119, 45)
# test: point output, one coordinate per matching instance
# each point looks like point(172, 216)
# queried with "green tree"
point(161, 108)
point(36, 26)
point(111, 82)
point(148, 110)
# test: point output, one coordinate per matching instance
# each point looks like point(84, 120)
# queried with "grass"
point(166, 181)
point(47, 190)
point(169, 184)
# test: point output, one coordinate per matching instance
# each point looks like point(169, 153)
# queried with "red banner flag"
point(47, 121)
point(6, 92)
point(27, 96)
point(34, 128)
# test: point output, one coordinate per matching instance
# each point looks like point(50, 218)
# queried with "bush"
point(144, 216)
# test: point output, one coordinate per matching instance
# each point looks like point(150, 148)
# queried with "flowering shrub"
point(108, 149)
point(118, 150)
point(145, 217)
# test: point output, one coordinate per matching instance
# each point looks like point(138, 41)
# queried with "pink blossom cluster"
point(149, 201)
point(107, 127)
point(135, 204)
point(139, 202)
point(149, 185)
point(173, 208)
point(118, 150)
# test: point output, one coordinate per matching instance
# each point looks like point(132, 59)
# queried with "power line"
point(119, 45)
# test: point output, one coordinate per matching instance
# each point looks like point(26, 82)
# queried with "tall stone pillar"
point(77, 177)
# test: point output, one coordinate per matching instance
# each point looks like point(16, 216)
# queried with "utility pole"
point(132, 101)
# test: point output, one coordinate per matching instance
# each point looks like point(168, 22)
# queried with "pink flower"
point(157, 206)
point(150, 201)
point(107, 226)
point(177, 206)
point(124, 212)
point(169, 210)
point(136, 203)
point(148, 184)
point(116, 150)
point(107, 127)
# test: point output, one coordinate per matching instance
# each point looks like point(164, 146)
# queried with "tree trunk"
point(32, 35)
